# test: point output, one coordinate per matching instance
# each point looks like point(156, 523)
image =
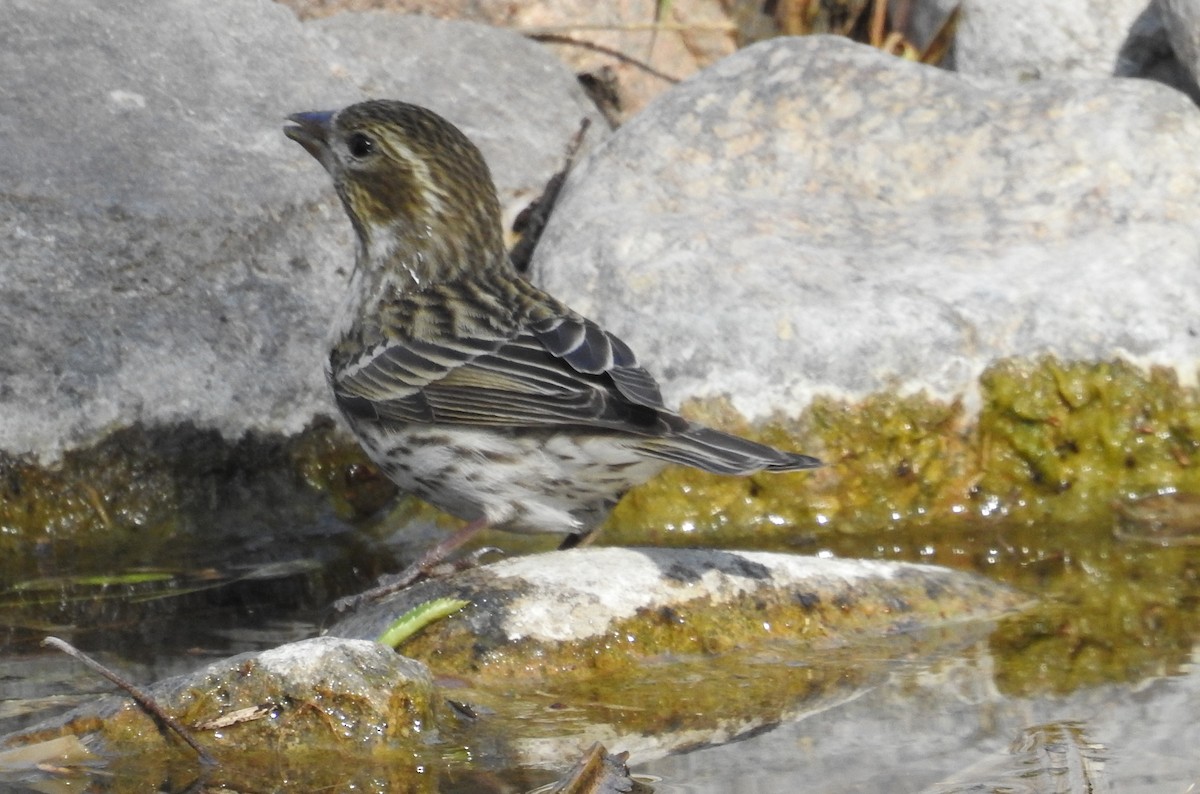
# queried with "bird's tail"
point(723, 453)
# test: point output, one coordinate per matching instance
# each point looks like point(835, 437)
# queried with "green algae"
point(720, 642)
point(1052, 442)
point(889, 460)
point(1106, 610)
point(696, 632)
point(149, 497)
point(1066, 440)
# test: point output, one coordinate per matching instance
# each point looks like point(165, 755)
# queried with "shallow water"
point(1095, 688)
point(946, 729)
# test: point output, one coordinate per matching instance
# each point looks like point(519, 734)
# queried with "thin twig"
point(727, 28)
point(554, 38)
point(533, 219)
point(143, 700)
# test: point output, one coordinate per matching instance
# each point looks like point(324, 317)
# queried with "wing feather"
point(590, 349)
point(558, 370)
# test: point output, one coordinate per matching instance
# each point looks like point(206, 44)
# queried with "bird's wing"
point(387, 381)
point(560, 370)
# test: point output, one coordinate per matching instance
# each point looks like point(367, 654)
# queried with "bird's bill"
point(311, 130)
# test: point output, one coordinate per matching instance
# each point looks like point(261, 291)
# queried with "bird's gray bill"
point(310, 130)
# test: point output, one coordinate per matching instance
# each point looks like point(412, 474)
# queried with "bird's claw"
point(391, 583)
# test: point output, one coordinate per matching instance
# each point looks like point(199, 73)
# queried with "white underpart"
point(542, 485)
point(349, 308)
point(360, 291)
point(383, 244)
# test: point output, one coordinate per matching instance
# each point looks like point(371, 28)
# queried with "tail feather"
point(723, 453)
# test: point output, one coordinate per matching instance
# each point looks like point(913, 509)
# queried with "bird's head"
point(417, 190)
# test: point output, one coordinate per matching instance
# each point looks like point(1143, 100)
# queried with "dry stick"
point(533, 219)
point(554, 38)
point(143, 700)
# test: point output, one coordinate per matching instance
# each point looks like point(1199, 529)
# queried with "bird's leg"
point(417, 571)
point(577, 540)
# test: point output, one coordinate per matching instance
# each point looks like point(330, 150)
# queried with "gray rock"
point(1030, 39)
point(559, 600)
point(155, 258)
point(633, 620)
point(811, 216)
point(166, 255)
point(315, 695)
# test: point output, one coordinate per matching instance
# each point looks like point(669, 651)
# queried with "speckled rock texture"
point(1031, 40)
point(811, 216)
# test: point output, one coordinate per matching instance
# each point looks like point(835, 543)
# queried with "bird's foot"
point(431, 564)
point(388, 584)
point(470, 560)
point(578, 540)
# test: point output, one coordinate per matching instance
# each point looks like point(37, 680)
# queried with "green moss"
point(155, 497)
point(1027, 493)
point(1052, 442)
point(324, 713)
point(1062, 441)
point(889, 461)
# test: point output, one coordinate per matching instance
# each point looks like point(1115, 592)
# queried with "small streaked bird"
point(467, 385)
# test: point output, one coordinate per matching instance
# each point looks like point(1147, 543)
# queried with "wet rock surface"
point(295, 707)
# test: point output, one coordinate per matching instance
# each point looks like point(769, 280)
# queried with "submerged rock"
point(657, 650)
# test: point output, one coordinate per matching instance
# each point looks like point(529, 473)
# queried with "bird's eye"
point(360, 145)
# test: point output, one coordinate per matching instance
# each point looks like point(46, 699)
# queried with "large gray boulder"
point(811, 216)
point(166, 255)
